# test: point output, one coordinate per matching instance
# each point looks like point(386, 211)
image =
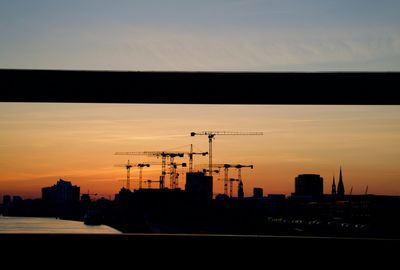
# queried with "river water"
point(50, 225)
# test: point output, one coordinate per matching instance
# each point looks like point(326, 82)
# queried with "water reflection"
point(50, 225)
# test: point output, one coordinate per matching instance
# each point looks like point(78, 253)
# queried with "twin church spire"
point(340, 187)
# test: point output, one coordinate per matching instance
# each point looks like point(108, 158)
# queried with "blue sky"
point(217, 35)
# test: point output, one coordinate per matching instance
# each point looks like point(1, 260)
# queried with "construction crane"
point(239, 168)
point(163, 154)
point(128, 167)
point(226, 168)
point(191, 153)
point(239, 179)
point(226, 174)
point(218, 171)
point(226, 177)
point(141, 165)
point(211, 135)
point(174, 174)
point(231, 180)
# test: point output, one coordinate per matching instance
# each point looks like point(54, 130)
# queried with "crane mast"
point(239, 168)
point(141, 165)
point(128, 175)
point(128, 167)
point(226, 175)
point(191, 153)
point(174, 175)
point(163, 154)
point(226, 171)
point(211, 135)
point(231, 180)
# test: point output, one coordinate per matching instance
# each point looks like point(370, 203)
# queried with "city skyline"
point(44, 142)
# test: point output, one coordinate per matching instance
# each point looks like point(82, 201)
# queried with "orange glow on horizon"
point(41, 143)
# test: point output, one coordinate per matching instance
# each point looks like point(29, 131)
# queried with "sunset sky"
point(192, 35)
point(43, 142)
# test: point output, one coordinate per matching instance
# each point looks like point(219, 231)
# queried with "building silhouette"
point(199, 186)
point(17, 200)
point(309, 185)
point(62, 192)
point(258, 192)
point(333, 186)
point(240, 190)
point(6, 200)
point(340, 188)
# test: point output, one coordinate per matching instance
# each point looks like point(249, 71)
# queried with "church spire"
point(340, 189)
point(333, 186)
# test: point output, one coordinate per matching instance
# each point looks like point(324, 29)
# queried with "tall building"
point(309, 184)
point(340, 188)
point(62, 192)
point(333, 186)
point(199, 186)
point(258, 192)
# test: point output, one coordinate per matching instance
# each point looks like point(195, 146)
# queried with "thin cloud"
point(146, 138)
point(151, 48)
point(253, 51)
point(127, 138)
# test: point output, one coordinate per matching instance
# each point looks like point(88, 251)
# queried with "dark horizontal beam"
point(198, 87)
